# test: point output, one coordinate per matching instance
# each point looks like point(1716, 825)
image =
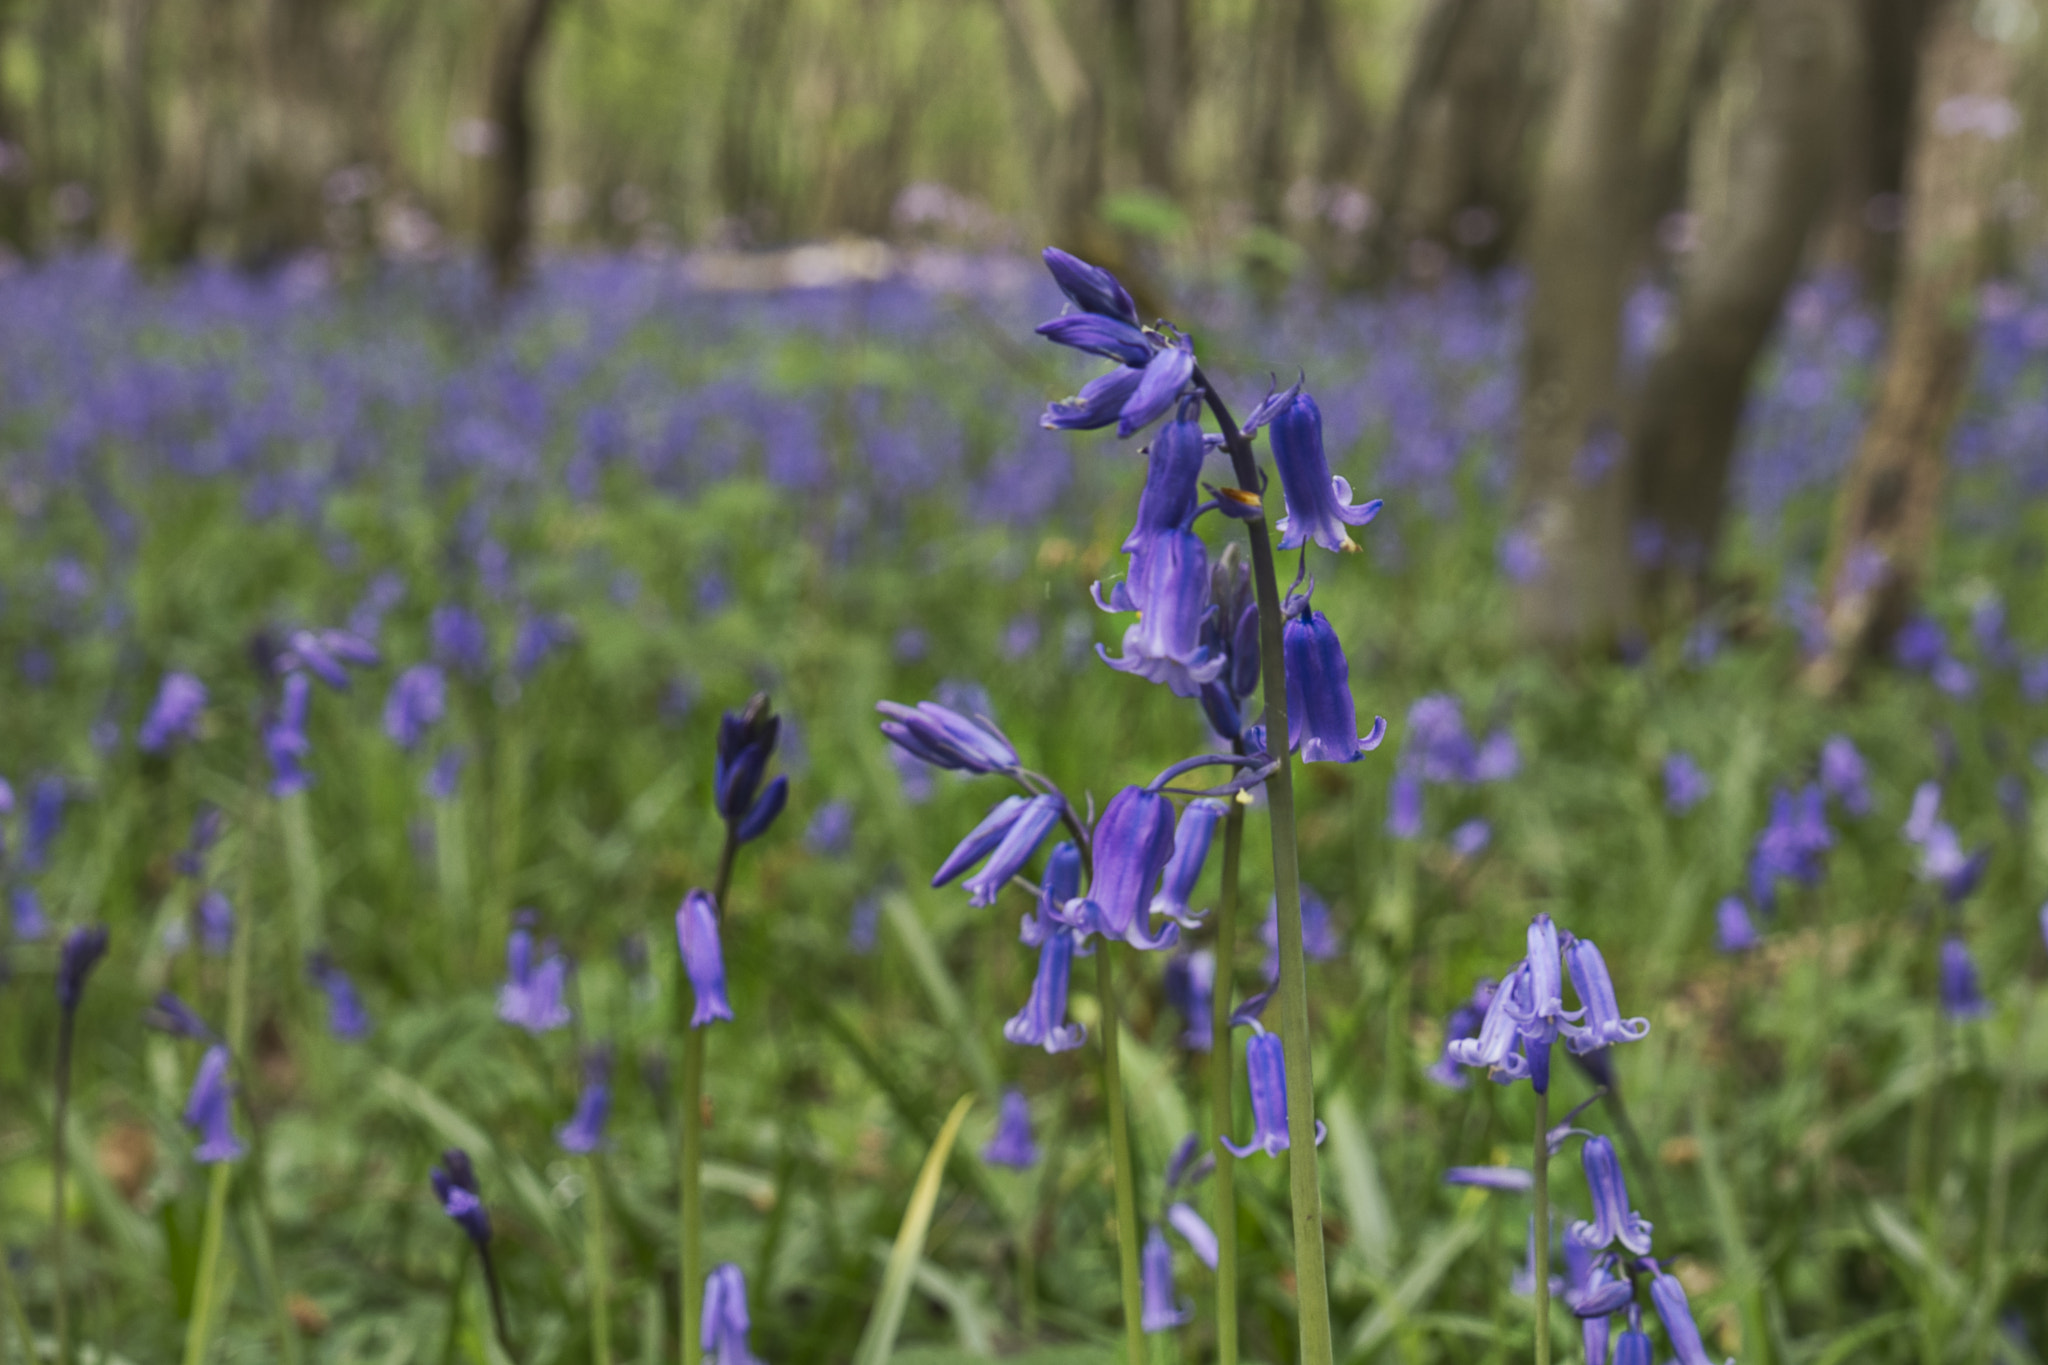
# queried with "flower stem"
point(199, 1330)
point(1221, 1080)
point(59, 1253)
point(1127, 1235)
point(597, 1270)
point(690, 1132)
point(497, 1304)
point(1311, 1286)
point(1541, 1168)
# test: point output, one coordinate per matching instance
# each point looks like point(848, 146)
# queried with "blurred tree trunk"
point(508, 196)
point(1071, 139)
point(1890, 505)
point(1571, 496)
point(742, 151)
point(1670, 175)
point(1866, 214)
point(1435, 36)
point(1153, 43)
point(1683, 433)
point(135, 184)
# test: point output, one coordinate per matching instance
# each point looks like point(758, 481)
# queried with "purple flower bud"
point(746, 740)
point(346, 1017)
point(1194, 1230)
point(1470, 839)
point(1604, 1025)
point(584, 1132)
point(460, 640)
point(946, 739)
point(1012, 1144)
point(1173, 477)
point(1512, 1179)
point(173, 1016)
point(1021, 838)
point(1844, 775)
point(1685, 786)
point(830, 832)
point(1101, 400)
point(1961, 998)
point(285, 738)
point(1321, 722)
point(1668, 1296)
point(1162, 1312)
point(454, 1182)
point(216, 924)
point(1091, 288)
point(1613, 1219)
point(531, 997)
point(725, 1323)
point(417, 700)
point(536, 638)
point(444, 776)
point(1189, 983)
point(1191, 839)
point(210, 1110)
point(1266, 1067)
point(83, 948)
point(1734, 932)
point(30, 924)
point(1404, 806)
point(328, 654)
point(1109, 337)
point(180, 701)
point(1133, 843)
point(703, 958)
point(206, 827)
point(982, 840)
point(1043, 1020)
point(1318, 506)
point(45, 818)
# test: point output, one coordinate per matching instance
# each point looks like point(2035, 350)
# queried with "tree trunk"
point(1866, 215)
point(1683, 433)
point(508, 198)
point(1889, 507)
point(1393, 167)
point(1577, 587)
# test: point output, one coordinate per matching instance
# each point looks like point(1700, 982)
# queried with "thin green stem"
point(453, 1339)
point(1991, 1269)
point(15, 1314)
point(1540, 1160)
point(1304, 1187)
point(1222, 1080)
point(497, 1304)
point(59, 1163)
point(597, 1269)
point(302, 863)
point(690, 1144)
point(199, 1330)
point(1127, 1235)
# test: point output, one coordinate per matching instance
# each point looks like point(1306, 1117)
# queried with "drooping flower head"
point(944, 738)
point(725, 1322)
point(1322, 722)
point(703, 958)
point(1162, 1311)
point(1169, 589)
point(1191, 840)
point(83, 948)
point(171, 1015)
point(454, 1182)
point(1021, 836)
point(206, 828)
point(1463, 1024)
point(346, 1017)
point(1132, 845)
point(1318, 506)
point(417, 701)
point(1961, 997)
point(1613, 1220)
point(460, 640)
point(1012, 1145)
point(746, 741)
point(1152, 368)
point(1844, 775)
point(216, 917)
point(531, 997)
point(1667, 1295)
point(584, 1132)
point(210, 1110)
point(1790, 845)
point(1266, 1067)
point(180, 702)
point(327, 655)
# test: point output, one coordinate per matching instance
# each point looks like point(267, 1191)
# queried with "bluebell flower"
point(1491, 1046)
point(45, 818)
point(746, 741)
point(216, 918)
point(1924, 813)
point(30, 924)
point(536, 637)
point(206, 827)
point(1173, 479)
point(1266, 1068)
point(1604, 1024)
point(1920, 644)
point(210, 1110)
point(1633, 1347)
point(1961, 998)
point(417, 700)
point(284, 739)
point(445, 776)
point(1318, 506)
point(584, 1132)
point(328, 655)
point(531, 997)
point(1043, 1020)
point(1667, 1295)
point(1169, 589)
point(1511, 1179)
point(346, 1017)
point(1790, 845)
point(1189, 983)
point(830, 832)
point(1685, 786)
point(180, 702)
point(1844, 775)
point(1091, 288)
point(1470, 839)
point(945, 739)
point(1133, 844)
point(1592, 1290)
point(1153, 370)
point(460, 640)
point(1404, 806)
point(1499, 758)
point(171, 1015)
point(1194, 1230)
point(1955, 678)
point(723, 1334)
point(1020, 841)
point(1322, 724)
point(1319, 941)
point(1613, 1219)
point(83, 948)
point(1058, 887)
point(454, 1182)
point(982, 840)
point(1463, 1023)
point(1012, 1145)
point(1191, 840)
point(863, 932)
point(703, 958)
point(1162, 1311)
point(1734, 932)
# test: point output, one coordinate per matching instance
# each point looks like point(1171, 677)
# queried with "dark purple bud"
point(180, 702)
point(1020, 841)
point(946, 739)
point(1159, 388)
point(346, 1017)
point(1322, 724)
point(1110, 338)
point(1100, 402)
point(83, 948)
point(1961, 998)
point(1091, 288)
point(764, 811)
point(173, 1016)
point(454, 1182)
point(1012, 1144)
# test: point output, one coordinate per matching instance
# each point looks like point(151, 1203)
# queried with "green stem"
point(15, 1314)
point(690, 1134)
point(1540, 1159)
point(1222, 1079)
point(1304, 1187)
point(198, 1331)
point(497, 1304)
point(1991, 1271)
point(1127, 1234)
point(59, 1161)
point(302, 862)
point(453, 1340)
point(597, 1269)
point(451, 873)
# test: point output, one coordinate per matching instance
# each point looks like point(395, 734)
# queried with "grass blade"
point(878, 1339)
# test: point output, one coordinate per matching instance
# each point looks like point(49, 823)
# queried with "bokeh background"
point(622, 359)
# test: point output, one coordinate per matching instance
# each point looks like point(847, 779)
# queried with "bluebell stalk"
point(174, 715)
point(697, 937)
point(210, 1110)
point(1013, 1144)
point(726, 1325)
point(1266, 1070)
point(455, 1185)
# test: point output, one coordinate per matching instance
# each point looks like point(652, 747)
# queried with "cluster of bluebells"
point(1792, 845)
point(1524, 1015)
point(1438, 751)
point(308, 654)
point(1609, 1265)
point(1163, 1308)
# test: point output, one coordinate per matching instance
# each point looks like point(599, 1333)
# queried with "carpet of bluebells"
point(572, 531)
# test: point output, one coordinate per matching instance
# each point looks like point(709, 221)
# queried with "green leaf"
point(878, 1339)
point(1359, 1189)
point(1435, 1258)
